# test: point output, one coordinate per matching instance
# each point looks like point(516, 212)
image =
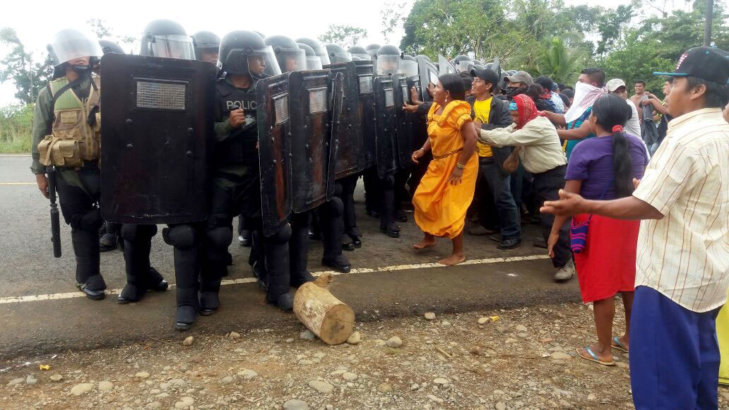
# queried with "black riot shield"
point(309, 93)
point(385, 125)
point(157, 122)
point(274, 151)
point(365, 75)
point(346, 124)
point(428, 75)
point(403, 123)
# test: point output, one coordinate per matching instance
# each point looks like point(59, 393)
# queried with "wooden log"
point(322, 313)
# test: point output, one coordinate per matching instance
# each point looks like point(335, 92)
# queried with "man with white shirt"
point(682, 271)
point(617, 86)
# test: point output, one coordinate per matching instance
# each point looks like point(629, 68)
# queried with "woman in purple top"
point(604, 168)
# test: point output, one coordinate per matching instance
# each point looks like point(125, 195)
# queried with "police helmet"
point(318, 49)
point(168, 39)
point(313, 61)
point(206, 45)
point(244, 52)
point(337, 54)
point(388, 60)
point(359, 54)
point(288, 54)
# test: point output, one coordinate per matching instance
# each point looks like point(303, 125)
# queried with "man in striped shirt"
point(682, 271)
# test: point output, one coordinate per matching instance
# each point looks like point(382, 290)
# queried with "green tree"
point(345, 36)
point(19, 67)
point(559, 63)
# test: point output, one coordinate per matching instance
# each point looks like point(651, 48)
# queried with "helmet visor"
point(361, 57)
point(409, 68)
point(291, 60)
point(388, 64)
point(262, 63)
point(313, 63)
point(71, 44)
point(340, 57)
point(172, 46)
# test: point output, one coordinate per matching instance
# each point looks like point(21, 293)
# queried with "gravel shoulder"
point(504, 359)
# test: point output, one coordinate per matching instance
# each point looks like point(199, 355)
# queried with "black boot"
point(298, 250)
point(86, 247)
point(209, 299)
point(276, 249)
point(186, 308)
point(155, 281)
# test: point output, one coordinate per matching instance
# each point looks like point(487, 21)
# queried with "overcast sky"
point(36, 21)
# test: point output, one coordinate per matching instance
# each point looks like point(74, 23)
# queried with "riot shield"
point(336, 108)
point(403, 123)
point(274, 151)
point(385, 125)
point(365, 75)
point(310, 132)
point(157, 123)
point(428, 75)
point(445, 66)
point(346, 124)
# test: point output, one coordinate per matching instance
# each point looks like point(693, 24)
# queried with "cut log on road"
point(322, 313)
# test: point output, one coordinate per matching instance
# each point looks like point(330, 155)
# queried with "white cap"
point(614, 84)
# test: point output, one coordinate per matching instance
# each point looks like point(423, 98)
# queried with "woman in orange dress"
point(446, 191)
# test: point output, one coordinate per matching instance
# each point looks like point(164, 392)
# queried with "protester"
point(518, 83)
point(660, 107)
point(682, 267)
point(540, 97)
point(617, 86)
point(494, 113)
point(550, 92)
point(604, 168)
point(541, 154)
point(446, 189)
point(589, 88)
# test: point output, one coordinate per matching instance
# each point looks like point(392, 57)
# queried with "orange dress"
point(440, 208)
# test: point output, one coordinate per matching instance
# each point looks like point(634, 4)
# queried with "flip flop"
point(618, 345)
point(593, 357)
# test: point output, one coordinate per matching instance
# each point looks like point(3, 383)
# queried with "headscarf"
point(585, 97)
point(526, 108)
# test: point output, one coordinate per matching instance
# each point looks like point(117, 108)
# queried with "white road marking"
point(394, 268)
point(17, 183)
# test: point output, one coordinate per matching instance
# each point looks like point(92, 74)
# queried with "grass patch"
point(16, 124)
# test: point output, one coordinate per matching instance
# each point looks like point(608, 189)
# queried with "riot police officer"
point(235, 186)
point(66, 140)
point(110, 235)
point(206, 46)
point(166, 39)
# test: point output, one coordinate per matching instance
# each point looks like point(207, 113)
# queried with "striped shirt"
point(685, 255)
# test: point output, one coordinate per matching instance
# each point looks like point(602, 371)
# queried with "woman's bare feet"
point(427, 242)
point(454, 259)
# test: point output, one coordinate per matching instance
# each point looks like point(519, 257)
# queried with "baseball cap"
point(706, 63)
point(614, 84)
point(486, 74)
point(521, 77)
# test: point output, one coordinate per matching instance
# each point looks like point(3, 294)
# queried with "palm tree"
point(559, 63)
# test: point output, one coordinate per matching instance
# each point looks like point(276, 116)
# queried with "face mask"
point(514, 91)
point(81, 69)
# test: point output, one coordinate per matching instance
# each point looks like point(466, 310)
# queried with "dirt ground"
point(517, 359)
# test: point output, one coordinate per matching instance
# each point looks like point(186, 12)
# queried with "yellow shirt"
point(440, 207)
point(482, 110)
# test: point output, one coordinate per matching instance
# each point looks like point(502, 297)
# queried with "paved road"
point(42, 311)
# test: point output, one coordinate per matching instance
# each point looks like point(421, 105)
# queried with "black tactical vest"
point(239, 148)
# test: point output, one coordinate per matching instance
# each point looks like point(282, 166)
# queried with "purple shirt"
point(592, 163)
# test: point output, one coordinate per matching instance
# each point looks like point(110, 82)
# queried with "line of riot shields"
point(315, 127)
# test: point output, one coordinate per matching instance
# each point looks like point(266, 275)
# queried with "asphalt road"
point(42, 311)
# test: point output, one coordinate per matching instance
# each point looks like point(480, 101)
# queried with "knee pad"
point(282, 235)
point(129, 232)
point(335, 207)
point(180, 236)
point(89, 221)
point(220, 237)
point(388, 182)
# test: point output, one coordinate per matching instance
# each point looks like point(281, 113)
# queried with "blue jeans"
point(674, 355)
point(500, 187)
